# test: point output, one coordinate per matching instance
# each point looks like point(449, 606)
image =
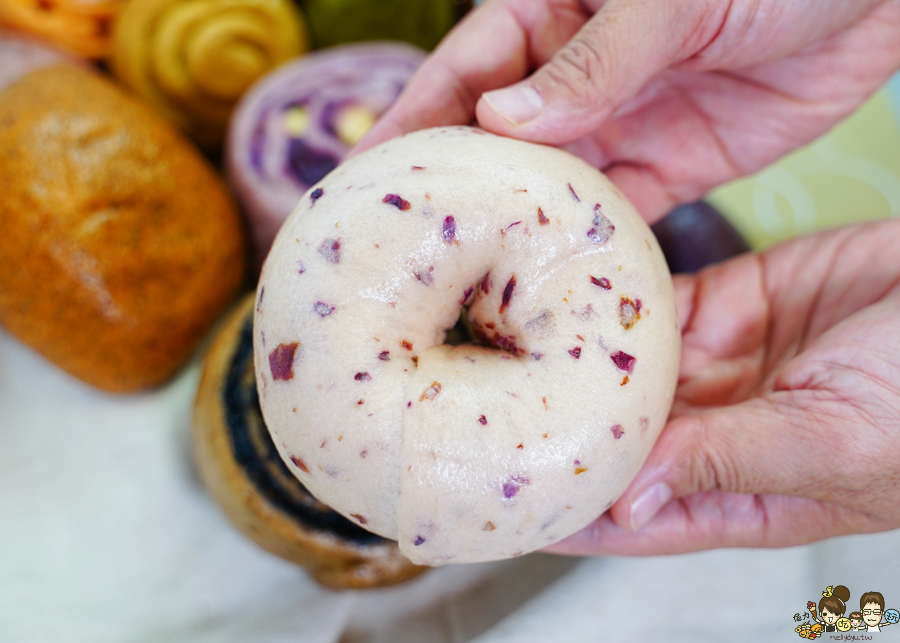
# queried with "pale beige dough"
point(466, 453)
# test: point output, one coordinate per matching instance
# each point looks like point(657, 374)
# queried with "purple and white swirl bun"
point(296, 124)
point(19, 56)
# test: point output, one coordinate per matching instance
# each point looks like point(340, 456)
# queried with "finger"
point(744, 321)
point(641, 186)
point(492, 47)
point(643, 189)
point(615, 54)
point(779, 443)
point(715, 519)
point(724, 326)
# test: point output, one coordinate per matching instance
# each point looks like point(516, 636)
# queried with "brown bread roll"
point(120, 244)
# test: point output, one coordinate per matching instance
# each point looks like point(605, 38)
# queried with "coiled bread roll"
point(465, 453)
point(192, 59)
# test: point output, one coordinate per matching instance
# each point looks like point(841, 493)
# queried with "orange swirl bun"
point(80, 27)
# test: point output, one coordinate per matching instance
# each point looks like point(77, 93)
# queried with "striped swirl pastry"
point(80, 27)
point(295, 125)
point(193, 59)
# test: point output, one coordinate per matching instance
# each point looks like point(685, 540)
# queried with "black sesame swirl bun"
point(240, 466)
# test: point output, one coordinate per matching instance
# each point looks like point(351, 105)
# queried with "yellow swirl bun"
point(192, 59)
point(81, 27)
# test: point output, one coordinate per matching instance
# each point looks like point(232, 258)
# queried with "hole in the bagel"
point(459, 334)
point(468, 332)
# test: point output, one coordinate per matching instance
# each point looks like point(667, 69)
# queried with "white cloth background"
point(107, 536)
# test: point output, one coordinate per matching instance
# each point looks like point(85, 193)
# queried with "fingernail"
point(517, 104)
point(648, 504)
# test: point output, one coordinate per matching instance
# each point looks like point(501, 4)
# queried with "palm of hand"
point(786, 425)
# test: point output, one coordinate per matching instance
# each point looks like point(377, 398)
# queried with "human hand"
point(668, 97)
point(786, 423)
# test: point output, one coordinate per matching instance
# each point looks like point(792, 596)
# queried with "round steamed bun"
point(470, 452)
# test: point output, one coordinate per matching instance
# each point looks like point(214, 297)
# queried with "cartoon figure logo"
point(828, 615)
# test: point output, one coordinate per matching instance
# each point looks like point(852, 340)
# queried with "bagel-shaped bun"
point(465, 453)
point(241, 468)
point(294, 126)
point(80, 27)
point(193, 59)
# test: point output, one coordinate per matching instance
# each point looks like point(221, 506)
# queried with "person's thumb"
point(774, 444)
point(624, 45)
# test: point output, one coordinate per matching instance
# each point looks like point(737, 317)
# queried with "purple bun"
point(19, 56)
point(296, 124)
